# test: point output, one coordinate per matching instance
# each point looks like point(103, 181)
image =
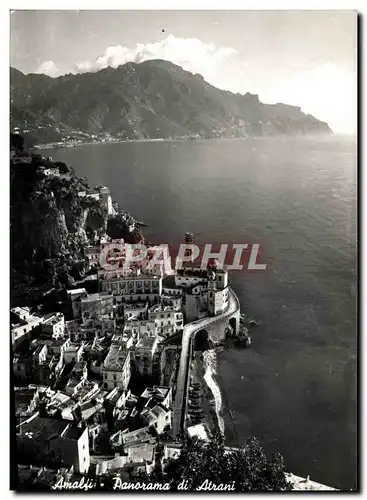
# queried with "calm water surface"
point(295, 389)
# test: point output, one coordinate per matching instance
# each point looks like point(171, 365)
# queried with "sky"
point(303, 58)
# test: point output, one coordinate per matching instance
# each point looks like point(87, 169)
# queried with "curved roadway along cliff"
point(189, 332)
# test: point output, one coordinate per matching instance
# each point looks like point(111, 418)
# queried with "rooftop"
point(73, 347)
point(53, 318)
point(135, 305)
point(199, 431)
point(147, 343)
point(135, 437)
point(23, 397)
point(77, 291)
point(38, 350)
point(96, 296)
point(151, 415)
point(162, 308)
point(44, 429)
point(79, 366)
point(116, 358)
point(160, 392)
point(73, 433)
point(20, 310)
point(117, 275)
point(141, 453)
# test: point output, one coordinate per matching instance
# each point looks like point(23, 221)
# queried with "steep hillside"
point(153, 99)
point(51, 225)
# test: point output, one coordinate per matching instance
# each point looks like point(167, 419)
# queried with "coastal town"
point(109, 384)
point(100, 385)
point(183, 250)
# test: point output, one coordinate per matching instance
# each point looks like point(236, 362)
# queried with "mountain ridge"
point(147, 100)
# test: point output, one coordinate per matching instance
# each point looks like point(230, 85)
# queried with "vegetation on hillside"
point(153, 99)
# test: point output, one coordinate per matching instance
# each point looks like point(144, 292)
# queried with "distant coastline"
point(57, 145)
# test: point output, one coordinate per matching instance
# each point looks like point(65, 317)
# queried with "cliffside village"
point(94, 382)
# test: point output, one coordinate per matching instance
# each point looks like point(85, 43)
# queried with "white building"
point(140, 328)
point(116, 368)
point(93, 253)
point(135, 310)
point(22, 313)
point(54, 346)
point(105, 197)
point(26, 322)
point(123, 340)
point(144, 355)
point(96, 305)
point(39, 355)
point(54, 325)
point(159, 417)
point(166, 318)
point(218, 292)
point(159, 394)
point(84, 194)
point(55, 441)
point(130, 288)
point(73, 353)
point(52, 172)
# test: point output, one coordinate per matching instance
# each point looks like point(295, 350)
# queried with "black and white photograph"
point(183, 223)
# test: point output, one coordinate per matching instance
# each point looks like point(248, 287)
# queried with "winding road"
point(183, 377)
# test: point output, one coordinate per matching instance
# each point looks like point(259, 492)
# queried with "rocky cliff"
point(51, 225)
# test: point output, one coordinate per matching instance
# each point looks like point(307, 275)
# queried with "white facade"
point(134, 310)
point(22, 313)
point(73, 353)
point(55, 441)
point(144, 355)
point(116, 368)
point(84, 194)
point(217, 301)
point(25, 326)
point(218, 292)
point(158, 417)
point(55, 325)
point(39, 355)
point(131, 288)
point(140, 328)
point(96, 305)
point(167, 319)
point(51, 171)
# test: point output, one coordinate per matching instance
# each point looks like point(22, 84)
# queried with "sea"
point(295, 389)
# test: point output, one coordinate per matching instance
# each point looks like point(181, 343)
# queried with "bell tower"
point(189, 240)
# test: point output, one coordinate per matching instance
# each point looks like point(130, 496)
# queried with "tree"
point(16, 142)
point(248, 469)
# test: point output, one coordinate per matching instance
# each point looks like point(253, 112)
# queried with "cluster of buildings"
point(93, 392)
